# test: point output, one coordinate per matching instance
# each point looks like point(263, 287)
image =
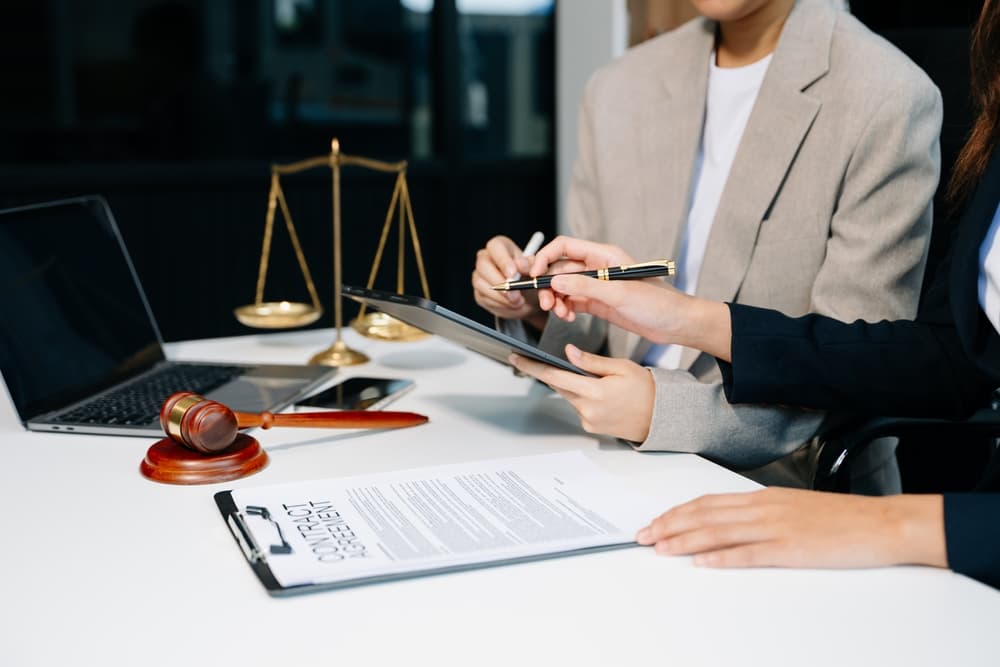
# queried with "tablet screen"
point(433, 318)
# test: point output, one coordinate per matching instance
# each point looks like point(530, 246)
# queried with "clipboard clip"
point(283, 547)
point(237, 526)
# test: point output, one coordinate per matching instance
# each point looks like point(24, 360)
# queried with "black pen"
point(660, 267)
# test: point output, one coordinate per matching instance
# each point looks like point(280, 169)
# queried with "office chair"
point(934, 455)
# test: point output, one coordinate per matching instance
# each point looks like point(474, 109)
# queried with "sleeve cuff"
point(726, 367)
point(972, 535)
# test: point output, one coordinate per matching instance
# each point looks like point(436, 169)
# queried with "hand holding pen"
point(530, 248)
point(654, 309)
point(573, 255)
point(653, 269)
point(502, 259)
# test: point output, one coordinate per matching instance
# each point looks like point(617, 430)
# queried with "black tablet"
point(432, 318)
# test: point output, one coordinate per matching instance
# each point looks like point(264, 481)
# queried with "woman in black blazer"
point(946, 362)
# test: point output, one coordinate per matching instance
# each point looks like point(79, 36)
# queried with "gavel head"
point(198, 423)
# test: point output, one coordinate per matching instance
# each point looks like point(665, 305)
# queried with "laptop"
point(436, 319)
point(80, 351)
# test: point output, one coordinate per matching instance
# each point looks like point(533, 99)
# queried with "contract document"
point(338, 532)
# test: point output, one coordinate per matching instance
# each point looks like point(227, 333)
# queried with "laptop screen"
point(74, 318)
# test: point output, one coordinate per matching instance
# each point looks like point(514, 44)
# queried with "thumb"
point(597, 364)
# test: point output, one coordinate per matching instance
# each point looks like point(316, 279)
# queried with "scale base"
point(387, 327)
point(338, 354)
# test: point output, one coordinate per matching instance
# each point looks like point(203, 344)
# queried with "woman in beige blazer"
point(826, 208)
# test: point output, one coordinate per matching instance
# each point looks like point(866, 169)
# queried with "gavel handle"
point(338, 419)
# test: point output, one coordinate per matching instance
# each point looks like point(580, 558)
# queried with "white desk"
point(100, 566)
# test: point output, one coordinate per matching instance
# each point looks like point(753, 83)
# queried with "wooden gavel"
point(209, 426)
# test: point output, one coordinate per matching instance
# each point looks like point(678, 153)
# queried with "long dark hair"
point(984, 84)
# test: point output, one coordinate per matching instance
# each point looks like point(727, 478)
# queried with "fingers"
point(725, 528)
point(506, 256)
point(592, 255)
point(491, 299)
point(560, 307)
point(548, 299)
point(755, 554)
point(557, 303)
point(650, 308)
point(717, 536)
point(788, 528)
point(697, 512)
point(496, 263)
point(556, 378)
point(601, 298)
point(597, 364)
point(606, 291)
point(675, 531)
point(738, 530)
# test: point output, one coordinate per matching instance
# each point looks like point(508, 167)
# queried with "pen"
point(659, 267)
point(530, 248)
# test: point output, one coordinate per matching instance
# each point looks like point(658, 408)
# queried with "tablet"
point(432, 318)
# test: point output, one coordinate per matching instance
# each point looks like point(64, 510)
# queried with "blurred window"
point(507, 98)
point(125, 80)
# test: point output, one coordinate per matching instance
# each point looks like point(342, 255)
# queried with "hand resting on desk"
point(781, 527)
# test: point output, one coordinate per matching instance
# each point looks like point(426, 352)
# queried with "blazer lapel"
point(670, 131)
point(669, 128)
point(779, 122)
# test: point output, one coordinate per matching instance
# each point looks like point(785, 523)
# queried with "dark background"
point(175, 110)
point(936, 36)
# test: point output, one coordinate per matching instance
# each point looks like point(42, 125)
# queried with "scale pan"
point(386, 327)
point(277, 314)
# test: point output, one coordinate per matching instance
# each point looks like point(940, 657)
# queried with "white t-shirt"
point(732, 92)
point(989, 273)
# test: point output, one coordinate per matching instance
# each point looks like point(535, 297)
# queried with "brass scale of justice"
point(284, 314)
point(203, 444)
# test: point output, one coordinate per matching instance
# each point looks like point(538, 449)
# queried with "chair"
point(926, 448)
point(926, 451)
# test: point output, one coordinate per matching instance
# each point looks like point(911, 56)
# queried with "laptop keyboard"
point(139, 402)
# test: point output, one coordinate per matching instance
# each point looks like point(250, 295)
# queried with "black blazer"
point(945, 363)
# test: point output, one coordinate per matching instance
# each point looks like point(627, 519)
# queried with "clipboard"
point(253, 518)
point(436, 319)
point(257, 558)
point(236, 521)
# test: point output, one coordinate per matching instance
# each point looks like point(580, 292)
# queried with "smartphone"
point(358, 393)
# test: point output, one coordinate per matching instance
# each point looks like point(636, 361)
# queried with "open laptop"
point(80, 351)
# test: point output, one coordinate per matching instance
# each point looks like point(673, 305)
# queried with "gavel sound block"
point(204, 444)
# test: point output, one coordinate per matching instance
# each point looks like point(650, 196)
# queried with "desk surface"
point(101, 566)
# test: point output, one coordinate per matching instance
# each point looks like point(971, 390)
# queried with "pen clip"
point(668, 264)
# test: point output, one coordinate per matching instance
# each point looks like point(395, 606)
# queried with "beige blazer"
point(827, 207)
